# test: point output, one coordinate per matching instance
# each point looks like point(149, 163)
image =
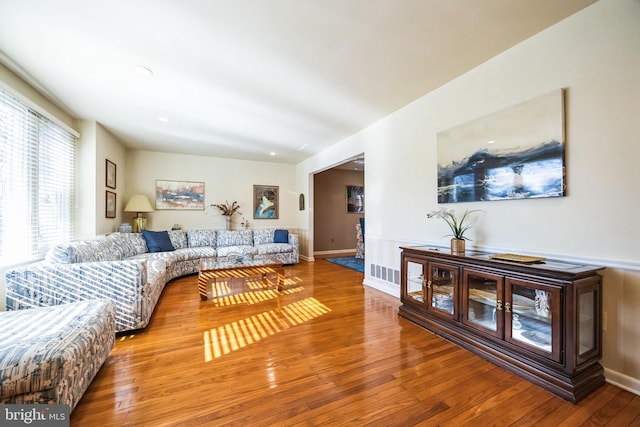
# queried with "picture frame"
point(187, 195)
point(266, 203)
point(110, 174)
point(355, 199)
point(110, 204)
point(514, 153)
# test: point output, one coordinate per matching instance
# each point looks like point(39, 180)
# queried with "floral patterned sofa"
point(122, 268)
point(50, 355)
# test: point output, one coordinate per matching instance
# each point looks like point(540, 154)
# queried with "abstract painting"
point(179, 195)
point(355, 199)
point(516, 153)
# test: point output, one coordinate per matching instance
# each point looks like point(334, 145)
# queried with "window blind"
point(37, 182)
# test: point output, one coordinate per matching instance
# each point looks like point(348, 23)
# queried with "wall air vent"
point(387, 274)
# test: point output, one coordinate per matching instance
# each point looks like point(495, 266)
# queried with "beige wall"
point(225, 179)
point(594, 56)
point(334, 228)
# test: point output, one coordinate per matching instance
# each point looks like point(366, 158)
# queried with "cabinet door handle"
point(499, 306)
point(507, 307)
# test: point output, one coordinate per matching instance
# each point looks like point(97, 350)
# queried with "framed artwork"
point(265, 202)
point(515, 153)
point(110, 174)
point(355, 199)
point(179, 195)
point(110, 205)
point(301, 202)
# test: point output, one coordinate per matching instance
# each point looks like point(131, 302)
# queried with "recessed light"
point(491, 142)
point(143, 71)
point(273, 153)
point(162, 119)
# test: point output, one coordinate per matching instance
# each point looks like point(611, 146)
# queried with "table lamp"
point(138, 204)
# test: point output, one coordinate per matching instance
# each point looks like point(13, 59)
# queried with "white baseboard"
point(623, 381)
point(336, 252)
point(383, 286)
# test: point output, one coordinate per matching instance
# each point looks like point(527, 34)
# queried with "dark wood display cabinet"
point(541, 321)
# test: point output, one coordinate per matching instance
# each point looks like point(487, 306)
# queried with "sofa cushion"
point(262, 236)
point(158, 241)
point(274, 248)
point(281, 236)
point(130, 243)
point(84, 251)
point(199, 238)
point(178, 238)
point(237, 250)
point(234, 238)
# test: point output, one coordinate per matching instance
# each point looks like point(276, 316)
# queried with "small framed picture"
point(265, 202)
point(110, 175)
point(110, 205)
point(355, 199)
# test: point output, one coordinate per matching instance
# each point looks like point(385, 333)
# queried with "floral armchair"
point(360, 239)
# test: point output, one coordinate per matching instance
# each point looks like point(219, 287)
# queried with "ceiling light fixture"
point(143, 71)
point(162, 119)
point(273, 153)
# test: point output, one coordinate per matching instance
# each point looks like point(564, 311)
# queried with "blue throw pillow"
point(362, 226)
point(158, 241)
point(281, 236)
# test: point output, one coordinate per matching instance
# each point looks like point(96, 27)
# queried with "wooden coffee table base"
point(209, 276)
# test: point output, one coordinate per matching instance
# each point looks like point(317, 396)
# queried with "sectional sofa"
point(132, 269)
point(50, 355)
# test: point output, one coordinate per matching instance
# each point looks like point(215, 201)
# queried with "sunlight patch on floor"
point(253, 297)
point(241, 333)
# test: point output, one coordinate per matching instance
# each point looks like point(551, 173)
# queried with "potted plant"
point(228, 209)
point(458, 227)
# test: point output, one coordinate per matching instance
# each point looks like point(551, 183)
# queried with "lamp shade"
point(138, 203)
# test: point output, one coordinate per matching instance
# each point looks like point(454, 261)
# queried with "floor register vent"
point(385, 273)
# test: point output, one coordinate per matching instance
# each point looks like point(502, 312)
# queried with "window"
point(37, 182)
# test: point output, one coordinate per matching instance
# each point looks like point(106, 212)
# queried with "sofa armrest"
point(294, 240)
point(45, 284)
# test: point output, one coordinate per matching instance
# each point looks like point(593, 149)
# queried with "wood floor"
point(324, 351)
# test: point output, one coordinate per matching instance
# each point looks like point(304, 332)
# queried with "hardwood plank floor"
point(324, 351)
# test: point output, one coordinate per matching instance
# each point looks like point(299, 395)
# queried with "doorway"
point(338, 206)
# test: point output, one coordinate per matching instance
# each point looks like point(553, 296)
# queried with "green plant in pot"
point(458, 226)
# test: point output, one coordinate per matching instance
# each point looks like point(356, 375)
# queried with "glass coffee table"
point(230, 267)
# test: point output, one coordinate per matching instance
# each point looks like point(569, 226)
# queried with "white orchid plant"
point(457, 226)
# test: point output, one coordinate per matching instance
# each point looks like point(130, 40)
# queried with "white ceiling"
point(244, 78)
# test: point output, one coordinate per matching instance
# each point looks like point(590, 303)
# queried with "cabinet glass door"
point(531, 311)
point(416, 282)
point(441, 289)
point(482, 301)
point(587, 319)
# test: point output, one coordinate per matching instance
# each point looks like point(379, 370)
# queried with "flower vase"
point(457, 246)
point(228, 222)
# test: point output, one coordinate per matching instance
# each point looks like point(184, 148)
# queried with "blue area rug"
point(351, 262)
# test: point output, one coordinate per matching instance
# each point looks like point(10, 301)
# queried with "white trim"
point(623, 381)
point(605, 262)
point(383, 286)
point(340, 251)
